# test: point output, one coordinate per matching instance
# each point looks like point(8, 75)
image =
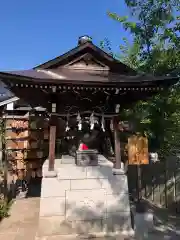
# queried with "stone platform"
point(84, 200)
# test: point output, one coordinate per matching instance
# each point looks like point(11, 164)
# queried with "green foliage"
point(150, 22)
point(129, 54)
point(155, 26)
point(4, 208)
point(106, 46)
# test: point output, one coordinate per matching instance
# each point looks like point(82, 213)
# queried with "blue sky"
point(32, 32)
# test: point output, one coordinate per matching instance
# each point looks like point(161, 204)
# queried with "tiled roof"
point(80, 75)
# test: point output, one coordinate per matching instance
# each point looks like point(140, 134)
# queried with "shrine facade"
point(72, 99)
point(84, 86)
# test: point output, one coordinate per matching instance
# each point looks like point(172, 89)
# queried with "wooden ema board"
point(138, 150)
point(13, 134)
point(25, 143)
point(24, 140)
point(15, 123)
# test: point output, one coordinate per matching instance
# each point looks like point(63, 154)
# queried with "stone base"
point(117, 171)
point(49, 174)
point(87, 201)
point(52, 226)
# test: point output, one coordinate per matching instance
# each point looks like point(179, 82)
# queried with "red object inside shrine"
point(83, 147)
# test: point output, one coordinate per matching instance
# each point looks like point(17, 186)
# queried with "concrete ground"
point(23, 224)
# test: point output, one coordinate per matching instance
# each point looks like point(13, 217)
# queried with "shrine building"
point(72, 99)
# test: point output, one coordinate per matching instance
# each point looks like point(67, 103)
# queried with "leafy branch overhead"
point(155, 27)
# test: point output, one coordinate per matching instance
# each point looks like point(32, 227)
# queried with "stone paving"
point(23, 223)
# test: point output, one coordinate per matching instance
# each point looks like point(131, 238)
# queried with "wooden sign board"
point(19, 124)
point(138, 150)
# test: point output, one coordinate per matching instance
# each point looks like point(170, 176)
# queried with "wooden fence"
point(160, 183)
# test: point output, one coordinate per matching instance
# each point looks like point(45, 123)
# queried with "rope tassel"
point(103, 123)
point(92, 121)
point(67, 126)
point(79, 122)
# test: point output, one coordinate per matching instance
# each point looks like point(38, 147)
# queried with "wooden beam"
point(52, 140)
point(117, 145)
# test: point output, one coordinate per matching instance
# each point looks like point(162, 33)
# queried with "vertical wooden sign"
point(138, 150)
point(52, 140)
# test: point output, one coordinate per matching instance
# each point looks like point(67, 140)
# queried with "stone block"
point(85, 204)
point(67, 160)
point(68, 171)
point(84, 200)
point(117, 203)
point(52, 187)
point(115, 222)
point(87, 227)
point(99, 172)
point(85, 184)
point(57, 164)
point(57, 225)
point(117, 184)
point(49, 174)
point(52, 206)
point(104, 161)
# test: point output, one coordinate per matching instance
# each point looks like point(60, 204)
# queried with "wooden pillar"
point(52, 132)
point(117, 146)
point(52, 140)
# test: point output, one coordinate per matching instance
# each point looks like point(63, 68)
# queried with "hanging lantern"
point(92, 121)
point(79, 122)
point(103, 123)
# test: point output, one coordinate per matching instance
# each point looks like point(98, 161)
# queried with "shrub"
point(4, 208)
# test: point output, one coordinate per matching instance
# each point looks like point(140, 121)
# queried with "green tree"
point(154, 25)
